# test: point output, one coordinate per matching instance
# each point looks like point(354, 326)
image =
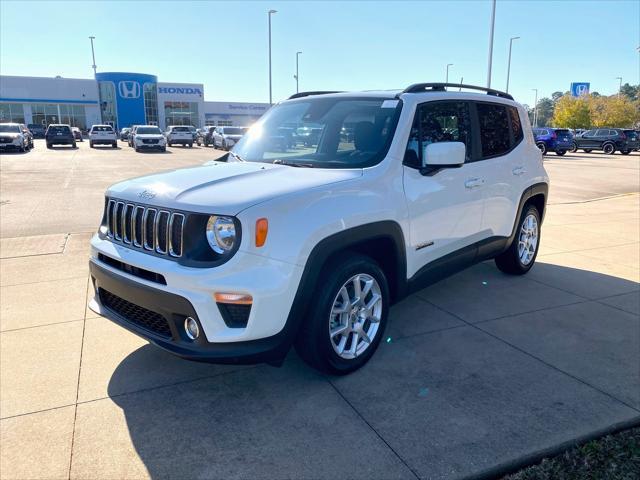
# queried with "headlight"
point(221, 234)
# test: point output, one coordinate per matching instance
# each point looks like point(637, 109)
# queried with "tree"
point(555, 96)
point(614, 111)
point(545, 111)
point(572, 112)
point(631, 92)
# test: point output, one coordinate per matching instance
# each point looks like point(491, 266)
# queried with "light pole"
point(297, 76)
point(620, 86)
point(535, 109)
point(271, 12)
point(446, 80)
point(493, 23)
point(509, 63)
point(93, 55)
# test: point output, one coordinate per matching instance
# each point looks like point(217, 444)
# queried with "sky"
point(359, 45)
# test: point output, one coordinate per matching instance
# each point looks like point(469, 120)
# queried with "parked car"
point(103, 135)
point(124, 134)
point(207, 138)
point(194, 133)
point(149, 137)
point(36, 130)
point(15, 136)
point(77, 134)
point(633, 141)
point(59, 134)
point(609, 140)
point(236, 260)
point(132, 135)
point(179, 134)
point(227, 137)
point(559, 140)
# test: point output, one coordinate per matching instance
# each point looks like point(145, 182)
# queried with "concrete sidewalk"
point(478, 370)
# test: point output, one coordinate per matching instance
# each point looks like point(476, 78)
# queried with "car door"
point(587, 140)
point(504, 156)
point(445, 205)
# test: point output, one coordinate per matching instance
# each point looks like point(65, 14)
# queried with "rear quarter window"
point(516, 125)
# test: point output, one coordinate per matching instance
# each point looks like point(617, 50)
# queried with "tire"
point(587, 150)
point(560, 152)
point(169, 144)
point(136, 149)
point(48, 145)
point(314, 343)
point(512, 261)
point(609, 148)
point(224, 145)
point(191, 145)
point(73, 145)
point(574, 147)
point(114, 145)
point(542, 147)
point(163, 149)
point(90, 144)
point(22, 148)
point(625, 152)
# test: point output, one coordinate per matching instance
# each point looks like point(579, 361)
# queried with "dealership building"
point(117, 98)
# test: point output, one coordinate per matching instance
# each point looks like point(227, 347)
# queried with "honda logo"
point(129, 89)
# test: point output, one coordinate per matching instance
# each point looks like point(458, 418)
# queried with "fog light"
point(191, 328)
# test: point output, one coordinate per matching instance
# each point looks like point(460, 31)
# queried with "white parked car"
point(148, 137)
point(15, 136)
point(226, 137)
point(103, 135)
point(179, 134)
point(311, 244)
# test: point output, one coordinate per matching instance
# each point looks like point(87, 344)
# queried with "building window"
point(44, 114)
point(225, 123)
point(11, 112)
point(181, 113)
point(151, 103)
point(73, 115)
point(107, 93)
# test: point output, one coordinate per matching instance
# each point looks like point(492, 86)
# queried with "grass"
point(614, 457)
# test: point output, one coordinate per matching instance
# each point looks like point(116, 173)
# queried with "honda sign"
point(129, 89)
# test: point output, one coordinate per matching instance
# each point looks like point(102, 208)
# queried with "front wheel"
point(560, 152)
point(522, 253)
point(90, 144)
point(114, 145)
point(542, 147)
point(73, 145)
point(191, 145)
point(574, 147)
point(609, 148)
point(347, 317)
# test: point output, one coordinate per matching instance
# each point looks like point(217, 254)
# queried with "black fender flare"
point(532, 191)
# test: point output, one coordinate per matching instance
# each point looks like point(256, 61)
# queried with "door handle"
point(518, 171)
point(473, 183)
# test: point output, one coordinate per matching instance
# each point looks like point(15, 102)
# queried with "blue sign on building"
point(127, 90)
point(579, 89)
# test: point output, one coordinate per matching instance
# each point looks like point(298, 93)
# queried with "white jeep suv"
point(308, 245)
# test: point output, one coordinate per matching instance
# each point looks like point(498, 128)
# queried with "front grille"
point(6, 139)
point(146, 228)
point(149, 140)
point(135, 314)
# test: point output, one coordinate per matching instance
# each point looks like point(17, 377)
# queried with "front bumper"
point(189, 292)
point(151, 146)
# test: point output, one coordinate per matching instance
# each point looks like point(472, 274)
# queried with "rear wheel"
point(90, 144)
point(191, 145)
point(542, 147)
point(114, 145)
point(609, 148)
point(522, 253)
point(625, 152)
point(560, 152)
point(73, 145)
point(48, 145)
point(574, 147)
point(347, 317)
point(587, 150)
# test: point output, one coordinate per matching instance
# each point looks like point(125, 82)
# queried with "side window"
point(602, 133)
point(516, 126)
point(494, 129)
point(438, 122)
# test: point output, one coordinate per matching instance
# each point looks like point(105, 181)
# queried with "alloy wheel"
point(528, 239)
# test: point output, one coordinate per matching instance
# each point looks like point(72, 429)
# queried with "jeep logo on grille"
point(129, 89)
point(146, 195)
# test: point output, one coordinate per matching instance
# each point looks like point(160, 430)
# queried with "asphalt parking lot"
point(476, 371)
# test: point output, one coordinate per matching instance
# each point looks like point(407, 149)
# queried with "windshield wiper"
point(279, 161)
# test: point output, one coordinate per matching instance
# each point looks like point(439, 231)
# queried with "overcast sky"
point(346, 45)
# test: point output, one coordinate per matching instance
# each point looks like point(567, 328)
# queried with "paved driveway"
point(476, 371)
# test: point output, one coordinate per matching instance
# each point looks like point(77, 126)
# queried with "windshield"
point(59, 129)
point(102, 128)
point(323, 132)
point(148, 131)
point(180, 129)
point(234, 130)
point(9, 128)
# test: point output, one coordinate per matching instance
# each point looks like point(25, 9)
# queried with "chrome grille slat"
point(145, 228)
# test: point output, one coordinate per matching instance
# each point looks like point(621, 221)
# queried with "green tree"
point(545, 111)
point(555, 96)
point(631, 92)
point(572, 112)
point(614, 111)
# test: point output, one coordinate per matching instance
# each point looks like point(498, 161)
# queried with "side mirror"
point(444, 155)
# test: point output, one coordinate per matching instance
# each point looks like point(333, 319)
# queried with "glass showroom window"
point(181, 113)
point(44, 113)
point(150, 103)
point(225, 123)
point(73, 115)
point(108, 102)
point(12, 112)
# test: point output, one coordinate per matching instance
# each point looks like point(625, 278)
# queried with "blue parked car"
point(559, 140)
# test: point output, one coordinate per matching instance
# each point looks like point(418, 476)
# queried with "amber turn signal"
point(262, 228)
point(235, 298)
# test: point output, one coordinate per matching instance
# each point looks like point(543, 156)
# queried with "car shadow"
point(14, 152)
point(267, 422)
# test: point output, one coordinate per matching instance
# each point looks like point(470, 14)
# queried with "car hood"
point(225, 188)
point(149, 135)
point(10, 134)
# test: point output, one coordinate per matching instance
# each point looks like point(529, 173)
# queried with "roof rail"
point(442, 87)
point(306, 94)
